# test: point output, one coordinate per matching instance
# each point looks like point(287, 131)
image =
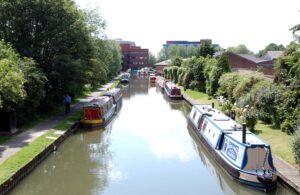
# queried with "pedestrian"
point(67, 101)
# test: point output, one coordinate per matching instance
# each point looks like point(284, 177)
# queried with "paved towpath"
point(21, 140)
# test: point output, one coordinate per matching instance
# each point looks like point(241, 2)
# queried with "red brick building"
point(248, 62)
point(134, 57)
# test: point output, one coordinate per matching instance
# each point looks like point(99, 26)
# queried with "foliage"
point(240, 49)
point(176, 62)
point(267, 104)
point(12, 79)
point(249, 116)
point(213, 71)
point(206, 49)
point(34, 87)
point(296, 142)
point(227, 83)
point(152, 59)
point(270, 47)
point(174, 51)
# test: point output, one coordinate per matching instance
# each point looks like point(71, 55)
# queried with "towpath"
point(22, 139)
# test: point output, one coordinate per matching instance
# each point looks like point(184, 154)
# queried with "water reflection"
point(146, 149)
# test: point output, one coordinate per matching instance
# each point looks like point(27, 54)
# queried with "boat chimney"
point(244, 133)
point(213, 104)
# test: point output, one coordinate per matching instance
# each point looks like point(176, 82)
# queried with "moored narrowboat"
point(98, 112)
point(172, 90)
point(160, 83)
point(117, 95)
point(241, 153)
point(152, 78)
point(125, 78)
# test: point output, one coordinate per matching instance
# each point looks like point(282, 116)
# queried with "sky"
point(150, 23)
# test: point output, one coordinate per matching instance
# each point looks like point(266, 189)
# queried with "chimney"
point(244, 133)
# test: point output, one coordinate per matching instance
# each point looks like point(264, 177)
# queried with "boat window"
point(204, 126)
point(199, 121)
point(195, 112)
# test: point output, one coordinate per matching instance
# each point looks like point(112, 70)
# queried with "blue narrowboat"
point(241, 153)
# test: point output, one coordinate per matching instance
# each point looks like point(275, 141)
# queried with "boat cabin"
point(152, 78)
point(98, 111)
point(172, 90)
point(117, 95)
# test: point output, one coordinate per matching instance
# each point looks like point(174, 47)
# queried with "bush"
point(296, 142)
point(194, 85)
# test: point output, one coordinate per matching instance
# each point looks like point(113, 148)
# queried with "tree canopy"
point(240, 49)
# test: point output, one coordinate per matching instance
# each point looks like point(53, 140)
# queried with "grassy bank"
point(21, 158)
point(280, 142)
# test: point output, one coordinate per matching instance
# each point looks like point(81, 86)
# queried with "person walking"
point(67, 101)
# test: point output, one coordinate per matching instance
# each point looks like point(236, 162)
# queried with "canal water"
point(146, 149)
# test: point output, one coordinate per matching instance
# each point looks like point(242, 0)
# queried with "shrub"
point(296, 142)
point(194, 85)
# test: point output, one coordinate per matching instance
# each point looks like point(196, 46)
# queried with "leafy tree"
point(34, 87)
point(152, 59)
point(12, 79)
point(55, 34)
point(240, 49)
point(270, 47)
point(206, 49)
point(177, 62)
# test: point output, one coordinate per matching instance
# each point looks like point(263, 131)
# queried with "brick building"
point(248, 63)
point(134, 57)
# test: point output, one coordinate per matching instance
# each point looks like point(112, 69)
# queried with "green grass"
point(17, 161)
point(200, 97)
point(280, 142)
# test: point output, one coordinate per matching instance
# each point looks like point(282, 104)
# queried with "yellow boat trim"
point(92, 121)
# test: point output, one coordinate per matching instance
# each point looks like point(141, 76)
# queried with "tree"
point(270, 47)
point(240, 49)
point(177, 62)
point(55, 34)
point(12, 79)
point(205, 49)
point(34, 86)
point(152, 59)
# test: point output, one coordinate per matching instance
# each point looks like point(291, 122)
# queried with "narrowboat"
point(160, 83)
point(125, 77)
point(242, 154)
point(116, 94)
point(172, 90)
point(98, 112)
point(152, 78)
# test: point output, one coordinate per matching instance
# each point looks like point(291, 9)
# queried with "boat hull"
point(250, 180)
point(173, 96)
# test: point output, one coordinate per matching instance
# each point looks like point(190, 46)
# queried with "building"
point(134, 57)
point(245, 63)
point(159, 67)
point(195, 44)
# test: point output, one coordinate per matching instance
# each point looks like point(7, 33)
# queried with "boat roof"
point(98, 101)
point(171, 84)
point(228, 125)
point(112, 92)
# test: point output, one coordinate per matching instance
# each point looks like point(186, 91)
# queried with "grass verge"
point(21, 158)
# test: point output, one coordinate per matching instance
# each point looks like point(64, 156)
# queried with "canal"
point(146, 149)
